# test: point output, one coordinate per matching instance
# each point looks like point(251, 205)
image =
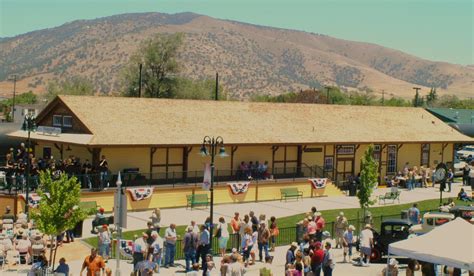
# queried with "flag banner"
point(33, 199)
point(138, 194)
point(206, 183)
point(238, 188)
point(318, 183)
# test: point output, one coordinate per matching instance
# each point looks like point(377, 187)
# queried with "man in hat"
point(392, 269)
point(290, 254)
point(95, 222)
point(140, 247)
point(341, 226)
point(263, 238)
point(317, 258)
point(320, 223)
point(170, 245)
point(366, 244)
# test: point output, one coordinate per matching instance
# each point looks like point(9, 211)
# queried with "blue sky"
point(440, 30)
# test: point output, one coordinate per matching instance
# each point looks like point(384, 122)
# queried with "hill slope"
point(250, 59)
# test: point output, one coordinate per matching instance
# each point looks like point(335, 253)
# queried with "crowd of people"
point(16, 163)
point(22, 243)
point(253, 170)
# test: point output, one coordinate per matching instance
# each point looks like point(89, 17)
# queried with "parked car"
point(391, 230)
point(464, 212)
point(458, 166)
point(430, 221)
point(467, 152)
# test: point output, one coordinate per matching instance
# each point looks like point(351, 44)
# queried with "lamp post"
point(118, 222)
point(209, 148)
point(29, 124)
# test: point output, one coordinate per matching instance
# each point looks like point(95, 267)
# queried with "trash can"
point(78, 229)
point(404, 214)
point(299, 232)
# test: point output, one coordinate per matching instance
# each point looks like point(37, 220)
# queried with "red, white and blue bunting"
point(138, 194)
point(33, 199)
point(238, 188)
point(318, 183)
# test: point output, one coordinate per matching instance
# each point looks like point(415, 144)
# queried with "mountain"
point(250, 59)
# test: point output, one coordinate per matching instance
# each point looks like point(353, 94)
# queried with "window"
point(377, 153)
point(67, 121)
point(328, 163)
point(345, 150)
point(57, 120)
point(392, 159)
point(425, 155)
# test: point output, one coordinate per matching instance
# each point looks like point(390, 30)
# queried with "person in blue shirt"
point(62, 267)
point(414, 214)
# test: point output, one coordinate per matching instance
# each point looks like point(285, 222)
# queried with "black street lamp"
point(209, 148)
point(29, 124)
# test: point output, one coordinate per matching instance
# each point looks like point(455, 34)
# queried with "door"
point(344, 168)
point(47, 153)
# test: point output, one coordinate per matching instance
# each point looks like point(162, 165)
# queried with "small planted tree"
point(58, 209)
point(368, 180)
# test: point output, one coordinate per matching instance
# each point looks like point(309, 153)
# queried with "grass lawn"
point(287, 224)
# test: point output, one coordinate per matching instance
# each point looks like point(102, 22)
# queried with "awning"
point(66, 138)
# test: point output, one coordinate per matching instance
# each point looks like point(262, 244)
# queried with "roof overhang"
point(67, 138)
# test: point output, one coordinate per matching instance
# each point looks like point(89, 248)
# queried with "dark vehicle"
point(391, 230)
point(464, 212)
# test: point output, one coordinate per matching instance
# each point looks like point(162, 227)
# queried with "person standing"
point(189, 247)
point(320, 223)
point(156, 219)
point(348, 242)
point(104, 242)
point(366, 244)
point(465, 175)
point(235, 223)
point(263, 237)
point(317, 259)
point(93, 263)
point(157, 247)
point(170, 245)
point(341, 226)
point(204, 249)
point(274, 232)
point(104, 171)
point(328, 262)
point(247, 244)
point(414, 214)
point(140, 247)
point(450, 179)
point(222, 233)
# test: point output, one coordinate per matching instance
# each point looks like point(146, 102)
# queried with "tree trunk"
point(51, 249)
point(55, 251)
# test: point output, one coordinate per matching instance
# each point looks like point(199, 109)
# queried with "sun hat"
point(351, 227)
point(341, 214)
point(294, 244)
point(393, 262)
point(317, 214)
point(368, 225)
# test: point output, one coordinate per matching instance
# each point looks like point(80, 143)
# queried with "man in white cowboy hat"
point(341, 226)
point(348, 241)
point(392, 269)
point(366, 244)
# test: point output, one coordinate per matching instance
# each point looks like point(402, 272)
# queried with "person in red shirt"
point(320, 222)
point(317, 259)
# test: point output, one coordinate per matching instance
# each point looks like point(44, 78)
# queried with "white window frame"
point(64, 121)
point(59, 119)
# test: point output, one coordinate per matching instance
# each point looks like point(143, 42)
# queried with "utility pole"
point(14, 78)
point(327, 94)
point(140, 81)
point(217, 86)
point(383, 97)
point(416, 95)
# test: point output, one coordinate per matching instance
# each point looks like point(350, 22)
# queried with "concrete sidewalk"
point(183, 216)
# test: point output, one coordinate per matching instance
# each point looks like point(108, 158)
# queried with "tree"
point(368, 179)
point(58, 209)
point(72, 86)
point(198, 89)
point(158, 57)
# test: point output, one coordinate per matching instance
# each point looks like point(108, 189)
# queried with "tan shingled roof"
point(144, 121)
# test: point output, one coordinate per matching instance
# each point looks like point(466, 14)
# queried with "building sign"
point(46, 130)
point(313, 150)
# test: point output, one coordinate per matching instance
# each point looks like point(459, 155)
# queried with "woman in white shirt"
point(223, 235)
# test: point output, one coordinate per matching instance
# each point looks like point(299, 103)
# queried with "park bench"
point(290, 192)
point(390, 196)
point(197, 200)
point(88, 205)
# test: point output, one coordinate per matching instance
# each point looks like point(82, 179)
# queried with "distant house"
point(162, 137)
point(460, 119)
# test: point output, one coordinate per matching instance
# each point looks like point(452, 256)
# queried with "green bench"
point(290, 193)
point(390, 196)
point(88, 205)
point(197, 200)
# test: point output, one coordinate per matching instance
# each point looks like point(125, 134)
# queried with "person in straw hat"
point(341, 226)
point(366, 244)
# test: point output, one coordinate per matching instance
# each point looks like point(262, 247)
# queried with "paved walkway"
point(183, 216)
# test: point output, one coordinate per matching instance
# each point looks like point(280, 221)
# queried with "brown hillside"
point(250, 59)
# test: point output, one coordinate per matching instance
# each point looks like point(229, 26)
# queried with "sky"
point(438, 30)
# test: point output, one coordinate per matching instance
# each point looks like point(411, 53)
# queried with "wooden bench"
point(88, 205)
point(290, 192)
point(390, 196)
point(197, 200)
